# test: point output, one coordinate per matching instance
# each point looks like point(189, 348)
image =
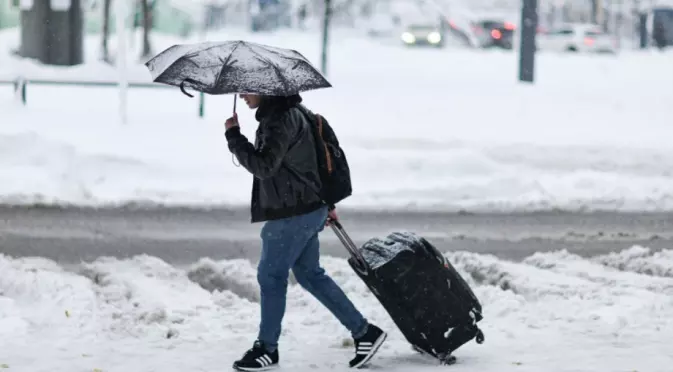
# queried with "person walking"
point(293, 215)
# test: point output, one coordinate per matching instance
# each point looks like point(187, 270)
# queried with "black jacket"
point(283, 139)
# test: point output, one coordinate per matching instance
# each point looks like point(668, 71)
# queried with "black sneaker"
point(257, 359)
point(367, 345)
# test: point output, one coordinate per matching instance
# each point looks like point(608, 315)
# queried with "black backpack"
point(335, 175)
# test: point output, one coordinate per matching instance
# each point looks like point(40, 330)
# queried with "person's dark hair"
point(271, 104)
point(287, 101)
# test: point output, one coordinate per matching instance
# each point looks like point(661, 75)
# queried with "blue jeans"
point(292, 243)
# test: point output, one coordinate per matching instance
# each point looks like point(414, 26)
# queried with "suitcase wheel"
point(447, 360)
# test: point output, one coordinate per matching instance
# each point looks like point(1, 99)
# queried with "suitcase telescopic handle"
point(350, 246)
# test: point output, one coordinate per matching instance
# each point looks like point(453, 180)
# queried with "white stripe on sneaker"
point(373, 351)
point(261, 361)
point(267, 359)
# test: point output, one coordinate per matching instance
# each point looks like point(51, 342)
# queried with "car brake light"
point(496, 34)
point(588, 41)
point(510, 26)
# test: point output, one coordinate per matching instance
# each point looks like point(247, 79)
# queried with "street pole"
point(527, 50)
point(120, 18)
point(325, 34)
point(600, 13)
point(642, 30)
point(619, 17)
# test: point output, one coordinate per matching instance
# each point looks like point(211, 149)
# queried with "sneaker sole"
point(375, 348)
point(267, 368)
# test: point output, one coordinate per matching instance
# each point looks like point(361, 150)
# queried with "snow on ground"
point(641, 260)
point(449, 129)
point(552, 312)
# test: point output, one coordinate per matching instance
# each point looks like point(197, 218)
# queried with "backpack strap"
point(328, 156)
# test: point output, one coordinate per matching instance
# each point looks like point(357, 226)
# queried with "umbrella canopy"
point(236, 67)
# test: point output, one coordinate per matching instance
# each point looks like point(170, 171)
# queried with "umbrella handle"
point(182, 87)
point(235, 102)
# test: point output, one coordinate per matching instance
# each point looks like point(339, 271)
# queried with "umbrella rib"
point(182, 58)
point(275, 68)
point(196, 53)
point(193, 54)
point(224, 63)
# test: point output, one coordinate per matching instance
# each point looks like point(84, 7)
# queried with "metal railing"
point(21, 87)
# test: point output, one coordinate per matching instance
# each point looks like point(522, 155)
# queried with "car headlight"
point(408, 38)
point(434, 37)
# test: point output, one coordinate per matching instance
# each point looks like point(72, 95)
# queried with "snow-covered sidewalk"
point(552, 312)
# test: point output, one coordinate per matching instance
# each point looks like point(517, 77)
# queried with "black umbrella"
point(236, 67)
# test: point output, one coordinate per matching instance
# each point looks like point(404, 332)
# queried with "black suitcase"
point(428, 300)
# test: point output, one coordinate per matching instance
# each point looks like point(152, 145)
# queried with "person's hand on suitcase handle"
point(331, 216)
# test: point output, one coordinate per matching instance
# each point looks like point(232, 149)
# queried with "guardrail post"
point(24, 85)
point(20, 88)
point(202, 104)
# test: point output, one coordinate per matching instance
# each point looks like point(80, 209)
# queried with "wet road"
point(182, 236)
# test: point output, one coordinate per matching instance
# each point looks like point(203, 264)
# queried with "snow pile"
point(236, 276)
point(39, 299)
point(155, 316)
point(641, 260)
point(138, 295)
point(57, 171)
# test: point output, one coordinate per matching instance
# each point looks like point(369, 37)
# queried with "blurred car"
point(586, 38)
point(494, 33)
point(429, 35)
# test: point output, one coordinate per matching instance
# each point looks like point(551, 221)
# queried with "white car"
point(587, 38)
point(423, 35)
